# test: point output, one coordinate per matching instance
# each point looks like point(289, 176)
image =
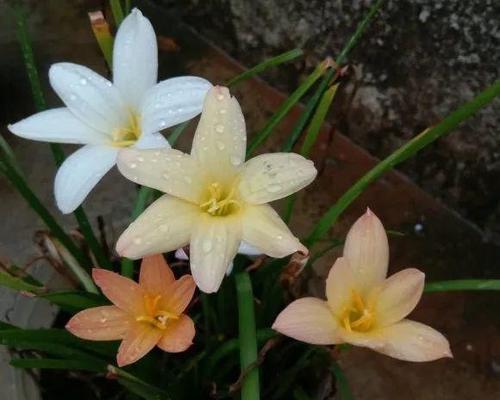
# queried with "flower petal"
point(248, 249)
point(139, 341)
point(123, 292)
point(79, 173)
point(173, 101)
point(89, 96)
point(57, 125)
point(214, 244)
point(178, 336)
point(155, 275)
point(135, 58)
point(220, 139)
point(270, 177)
point(168, 170)
point(166, 225)
point(409, 341)
point(308, 320)
point(178, 294)
point(367, 250)
point(152, 141)
point(100, 323)
point(264, 229)
point(339, 285)
point(399, 295)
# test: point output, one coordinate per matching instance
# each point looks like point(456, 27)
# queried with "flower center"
point(127, 136)
point(358, 315)
point(220, 202)
point(154, 316)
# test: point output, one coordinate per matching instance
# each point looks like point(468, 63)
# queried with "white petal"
point(173, 101)
point(214, 244)
point(168, 170)
point(166, 225)
point(89, 96)
point(220, 139)
point(339, 286)
point(135, 58)
point(248, 249)
point(79, 173)
point(270, 177)
point(152, 141)
point(264, 230)
point(57, 125)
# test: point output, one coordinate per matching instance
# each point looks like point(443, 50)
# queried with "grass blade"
point(403, 153)
point(74, 301)
point(266, 64)
point(287, 105)
point(248, 340)
point(462, 284)
point(18, 283)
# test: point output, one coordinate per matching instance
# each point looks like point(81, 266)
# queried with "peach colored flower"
point(144, 314)
point(363, 307)
point(214, 200)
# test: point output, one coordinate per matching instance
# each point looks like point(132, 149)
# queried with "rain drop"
point(72, 97)
point(220, 97)
point(140, 159)
point(83, 81)
point(220, 145)
point(163, 123)
point(137, 240)
point(133, 165)
point(219, 128)
point(235, 160)
point(279, 237)
point(166, 176)
point(222, 111)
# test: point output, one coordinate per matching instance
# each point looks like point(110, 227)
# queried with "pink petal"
point(155, 276)
point(178, 295)
point(123, 292)
point(399, 295)
point(178, 336)
point(339, 285)
point(367, 250)
point(100, 323)
point(412, 341)
point(308, 320)
point(139, 340)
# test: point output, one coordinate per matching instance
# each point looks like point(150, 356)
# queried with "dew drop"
point(137, 240)
point(222, 111)
point(279, 237)
point(274, 188)
point(72, 97)
point(166, 176)
point(154, 160)
point(235, 160)
point(140, 159)
point(157, 153)
point(207, 245)
point(219, 128)
point(83, 81)
point(103, 320)
point(163, 123)
point(133, 165)
point(220, 97)
point(220, 145)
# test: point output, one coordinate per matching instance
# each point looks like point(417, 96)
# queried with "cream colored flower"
point(364, 308)
point(215, 200)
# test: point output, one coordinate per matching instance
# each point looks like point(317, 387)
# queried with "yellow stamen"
point(219, 203)
point(157, 318)
point(127, 136)
point(359, 315)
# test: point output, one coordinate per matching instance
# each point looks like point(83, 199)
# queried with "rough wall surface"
point(419, 60)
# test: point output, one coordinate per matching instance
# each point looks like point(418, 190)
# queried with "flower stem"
point(462, 284)
point(247, 336)
point(116, 9)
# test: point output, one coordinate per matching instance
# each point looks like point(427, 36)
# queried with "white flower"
point(215, 200)
point(107, 117)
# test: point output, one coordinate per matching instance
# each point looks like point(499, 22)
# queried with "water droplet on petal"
point(132, 165)
point(235, 160)
point(166, 176)
point(222, 111)
point(163, 123)
point(207, 245)
point(140, 159)
point(83, 81)
point(220, 97)
point(219, 128)
point(279, 237)
point(220, 145)
point(72, 97)
point(137, 240)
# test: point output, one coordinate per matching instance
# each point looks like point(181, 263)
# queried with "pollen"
point(358, 315)
point(220, 202)
point(157, 317)
point(128, 135)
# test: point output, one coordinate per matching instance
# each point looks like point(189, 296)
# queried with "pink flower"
point(363, 307)
point(143, 315)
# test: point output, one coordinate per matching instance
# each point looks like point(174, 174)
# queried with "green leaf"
point(116, 9)
point(19, 283)
point(403, 153)
point(138, 386)
point(342, 385)
point(49, 363)
point(462, 284)
point(266, 64)
point(75, 301)
point(248, 341)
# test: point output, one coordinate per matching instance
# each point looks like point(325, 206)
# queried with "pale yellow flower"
point(363, 307)
point(215, 200)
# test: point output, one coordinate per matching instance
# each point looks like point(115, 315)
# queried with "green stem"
point(248, 339)
point(286, 106)
point(462, 284)
point(360, 29)
point(342, 385)
point(266, 64)
point(403, 153)
point(116, 9)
